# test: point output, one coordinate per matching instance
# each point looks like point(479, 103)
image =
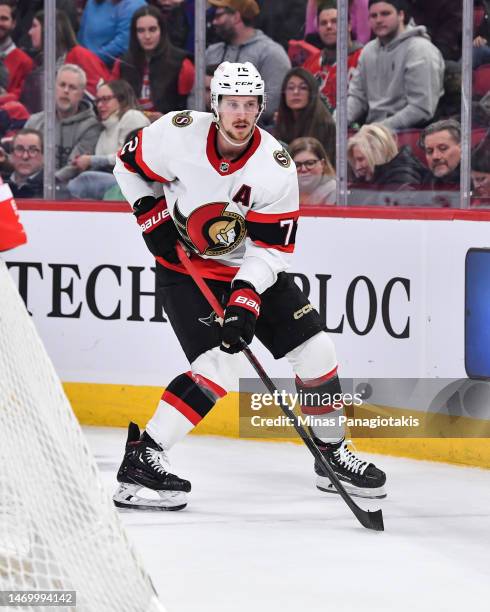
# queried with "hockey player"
point(228, 191)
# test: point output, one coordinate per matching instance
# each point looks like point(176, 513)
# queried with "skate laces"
point(349, 460)
point(158, 460)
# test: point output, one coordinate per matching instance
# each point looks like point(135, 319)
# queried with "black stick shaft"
point(370, 520)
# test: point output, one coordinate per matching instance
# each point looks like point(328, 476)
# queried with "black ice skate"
point(145, 466)
point(360, 478)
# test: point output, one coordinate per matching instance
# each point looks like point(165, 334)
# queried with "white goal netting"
point(58, 527)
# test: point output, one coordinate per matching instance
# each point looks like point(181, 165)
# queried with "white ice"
point(257, 536)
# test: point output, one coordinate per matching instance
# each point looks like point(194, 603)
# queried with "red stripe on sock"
point(182, 407)
point(314, 382)
point(209, 384)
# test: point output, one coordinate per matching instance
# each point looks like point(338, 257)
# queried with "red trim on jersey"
point(315, 382)
point(209, 384)
point(146, 169)
point(215, 160)
point(182, 407)
point(278, 247)
point(256, 217)
point(207, 269)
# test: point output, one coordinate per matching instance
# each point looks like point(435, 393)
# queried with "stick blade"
point(371, 520)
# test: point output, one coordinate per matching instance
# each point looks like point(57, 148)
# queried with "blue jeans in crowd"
point(91, 185)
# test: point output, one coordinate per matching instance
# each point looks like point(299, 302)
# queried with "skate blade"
point(324, 484)
point(127, 496)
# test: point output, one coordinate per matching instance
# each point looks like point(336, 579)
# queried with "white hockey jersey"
point(239, 217)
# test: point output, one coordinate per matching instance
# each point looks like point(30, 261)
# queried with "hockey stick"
point(370, 520)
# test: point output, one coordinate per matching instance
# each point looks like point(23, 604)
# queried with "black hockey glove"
point(241, 314)
point(159, 231)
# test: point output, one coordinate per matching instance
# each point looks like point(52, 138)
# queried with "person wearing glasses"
point(118, 114)
point(302, 112)
point(26, 181)
point(316, 176)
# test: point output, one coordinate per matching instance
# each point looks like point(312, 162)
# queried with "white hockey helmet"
point(236, 79)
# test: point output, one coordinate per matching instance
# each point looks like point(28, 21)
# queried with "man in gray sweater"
point(77, 128)
point(243, 43)
point(399, 78)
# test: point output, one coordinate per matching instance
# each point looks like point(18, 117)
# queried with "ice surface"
point(257, 536)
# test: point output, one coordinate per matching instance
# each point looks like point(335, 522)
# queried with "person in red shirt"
point(323, 64)
point(68, 51)
point(18, 63)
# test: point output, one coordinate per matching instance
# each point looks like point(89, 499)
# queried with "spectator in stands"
point(303, 113)
point(358, 18)
point(176, 19)
point(323, 65)
point(444, 21)
point(160, 74)
point(26, 180)
point(481, 44)
point(116, 105)
point(441, 142)
point(233, 23)
point(316, 176)
point(374, 158)
point(399, 78)
point(104, 28)
point(27, 9)
point(68, 51)
point(18, 63)
point(77, 128)
point(480, 173)
point(282, 21)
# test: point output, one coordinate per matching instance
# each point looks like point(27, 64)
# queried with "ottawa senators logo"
point(282, 158)
point(182, 119)
point(211, 229)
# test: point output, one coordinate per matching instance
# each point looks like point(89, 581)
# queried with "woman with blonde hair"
point(374, 158)
point(316, 175)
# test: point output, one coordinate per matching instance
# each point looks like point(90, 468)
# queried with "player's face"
point(308, 163)
point(69, 92)
point(297, 93)
point(327, 27)
point(148, 32)
point(442, 152)
point(27, 156)
point(36, 33)
point(385, 21)
point(106, 102)
point(360, 165)
point(481, 184)
point(237, 115)
point(7, 24)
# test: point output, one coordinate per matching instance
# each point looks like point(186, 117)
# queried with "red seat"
point(478, 15)
point(481, 80)
point(477, 135)
point(411, 138)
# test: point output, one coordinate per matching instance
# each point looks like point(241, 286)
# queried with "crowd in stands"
point(121, 64)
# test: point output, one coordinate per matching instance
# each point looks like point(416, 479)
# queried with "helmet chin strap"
point(230, 141)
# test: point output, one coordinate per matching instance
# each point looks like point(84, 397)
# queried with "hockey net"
point(58, 527)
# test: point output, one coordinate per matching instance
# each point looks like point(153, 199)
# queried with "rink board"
point(390, 290)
